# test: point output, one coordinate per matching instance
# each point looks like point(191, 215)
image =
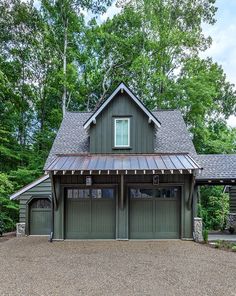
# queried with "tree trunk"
point(64, 96)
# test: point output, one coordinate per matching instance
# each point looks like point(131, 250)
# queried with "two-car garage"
point(154, 213)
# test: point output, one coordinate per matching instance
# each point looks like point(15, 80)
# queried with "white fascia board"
point(29, 186)
point(125, 88)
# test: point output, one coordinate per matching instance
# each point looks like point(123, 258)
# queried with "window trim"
point(115, 144)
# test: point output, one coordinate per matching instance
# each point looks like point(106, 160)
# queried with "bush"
point(9, 210)
point(234, 249)
point(214, 207)
point(205, 235)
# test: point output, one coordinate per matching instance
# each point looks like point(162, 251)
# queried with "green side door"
point(155, 213)
point(90, 213)
point(40, 217)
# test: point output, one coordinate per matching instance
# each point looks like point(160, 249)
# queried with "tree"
point(66, 21)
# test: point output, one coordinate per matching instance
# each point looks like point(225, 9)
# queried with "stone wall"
point(197, 231)
point(20, 229)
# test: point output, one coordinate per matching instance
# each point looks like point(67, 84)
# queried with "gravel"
point(33, 266)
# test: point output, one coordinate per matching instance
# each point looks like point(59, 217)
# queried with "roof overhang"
point(215, 181)
point(122, 87)
point(123, 164)
point(29, 186)
point(218, 169)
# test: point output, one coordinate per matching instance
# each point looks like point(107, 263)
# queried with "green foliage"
point(51, 57)
point(233, 248)
point(9, 210)
point(214, 207)
point(205, 235)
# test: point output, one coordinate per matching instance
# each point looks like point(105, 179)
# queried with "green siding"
point(122, 221)
point(43, 188)
point(141, 132)
point(232, 201)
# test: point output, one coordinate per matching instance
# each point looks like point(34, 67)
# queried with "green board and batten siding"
point(232, 200)
point(43, 189)
point(102, 133)
point(122, 215)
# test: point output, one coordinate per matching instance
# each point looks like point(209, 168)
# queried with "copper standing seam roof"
point(138, 162)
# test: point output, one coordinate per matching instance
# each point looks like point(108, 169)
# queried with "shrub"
point(9, 209)
point(234, 249)
point(214, 207)
point(205, 235)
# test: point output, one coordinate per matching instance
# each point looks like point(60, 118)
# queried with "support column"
point(197, 229)
point(20, 229)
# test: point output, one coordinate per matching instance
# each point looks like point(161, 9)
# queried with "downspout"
point(190, 198)
point(52, 209)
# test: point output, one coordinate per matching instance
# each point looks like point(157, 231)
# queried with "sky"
point(223, 33)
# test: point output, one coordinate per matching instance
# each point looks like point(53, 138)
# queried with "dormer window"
point(122, 132)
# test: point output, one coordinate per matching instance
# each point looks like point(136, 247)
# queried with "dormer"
point(122, 124)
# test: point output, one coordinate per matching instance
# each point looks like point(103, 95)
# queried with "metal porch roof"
point(122, 162)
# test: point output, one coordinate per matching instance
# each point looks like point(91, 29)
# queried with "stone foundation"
point(231, 221)
point(20, 229)
point(197, 229)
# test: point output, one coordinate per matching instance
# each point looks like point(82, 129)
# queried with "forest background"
point(58, 55)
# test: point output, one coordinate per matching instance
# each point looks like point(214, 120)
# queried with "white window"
point(122, 132)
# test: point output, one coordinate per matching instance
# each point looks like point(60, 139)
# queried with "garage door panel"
point(103, 218)
point(155, 217)
point(77, 221)
point(141, 218)
point(90, 214)
point(40, 217)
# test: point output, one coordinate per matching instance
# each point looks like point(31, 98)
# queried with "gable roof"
point(171, 137)
point(29, 186)
point(122, 87)
point(217, 167)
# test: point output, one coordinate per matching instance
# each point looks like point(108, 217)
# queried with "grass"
point(225, 245)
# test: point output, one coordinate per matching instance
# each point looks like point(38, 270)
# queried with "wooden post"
point(122, 191)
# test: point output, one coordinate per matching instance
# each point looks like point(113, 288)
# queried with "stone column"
point(20, 229)
point(197, 229)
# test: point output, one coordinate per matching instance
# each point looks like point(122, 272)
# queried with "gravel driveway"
point(32, 266)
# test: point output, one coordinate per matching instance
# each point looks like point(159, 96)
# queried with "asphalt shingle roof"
point(217, 166)
point(171, 137)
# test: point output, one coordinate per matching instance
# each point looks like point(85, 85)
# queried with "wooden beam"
point(122, 191)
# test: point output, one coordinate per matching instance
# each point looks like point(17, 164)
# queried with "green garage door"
point(40, 217)
point(155, 213)
point(90, 213)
